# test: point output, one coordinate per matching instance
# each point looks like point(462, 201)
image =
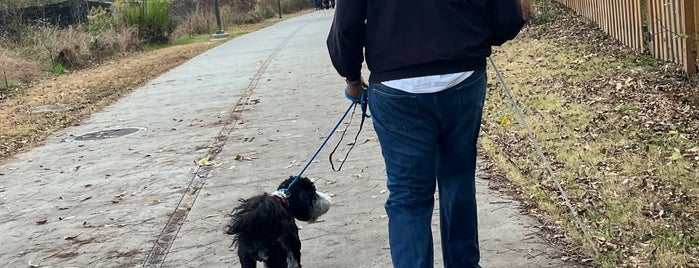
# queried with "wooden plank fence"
point(665, 28)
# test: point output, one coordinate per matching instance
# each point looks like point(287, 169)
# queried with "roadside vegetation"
point(125, 26)
point(622, 133)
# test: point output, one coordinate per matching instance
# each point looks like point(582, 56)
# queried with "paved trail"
point(259, 106)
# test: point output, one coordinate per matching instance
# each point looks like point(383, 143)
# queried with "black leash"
point(363, 104)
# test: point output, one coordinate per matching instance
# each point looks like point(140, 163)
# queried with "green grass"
point(177, 42)
point(639, 59)
point(58, 69)
point(627, 108)
point(9, 85)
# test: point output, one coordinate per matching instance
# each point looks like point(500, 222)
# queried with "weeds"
point(541, 13)
point(152, 19)
point(197, 21)
point(7, 82)
point(100, 20)
point(58, 69)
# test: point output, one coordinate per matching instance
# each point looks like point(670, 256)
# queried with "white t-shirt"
point(428, 84)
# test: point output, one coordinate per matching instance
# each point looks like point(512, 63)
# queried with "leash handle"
point(363, 103)
point(319, 148)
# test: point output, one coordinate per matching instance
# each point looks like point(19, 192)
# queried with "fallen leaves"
point(621, 132)
point(239, 157)
point(293, 163)
point(118, 198)
point(205, 161)
point(506, 121)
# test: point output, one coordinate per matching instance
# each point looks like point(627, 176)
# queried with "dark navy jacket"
point(412, 38)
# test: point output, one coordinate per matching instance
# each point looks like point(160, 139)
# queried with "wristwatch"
point(356, 82)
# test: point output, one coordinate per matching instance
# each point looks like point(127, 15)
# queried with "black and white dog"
point(264, 228)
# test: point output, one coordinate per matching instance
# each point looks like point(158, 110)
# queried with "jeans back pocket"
point(393, 109)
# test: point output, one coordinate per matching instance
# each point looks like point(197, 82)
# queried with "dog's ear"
point(302, 194)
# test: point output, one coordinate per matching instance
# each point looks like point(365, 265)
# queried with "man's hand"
point(353, 91)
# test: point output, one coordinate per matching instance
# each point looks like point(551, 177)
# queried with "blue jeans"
point(428, 140)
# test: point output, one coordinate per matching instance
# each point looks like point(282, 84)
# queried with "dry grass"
point(17, 69)
point(197, 21)
point(46, 46)
point(621, 132)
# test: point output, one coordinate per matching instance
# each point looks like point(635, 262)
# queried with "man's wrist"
point(353, 82)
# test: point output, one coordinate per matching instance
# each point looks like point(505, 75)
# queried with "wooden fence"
point(665, 28)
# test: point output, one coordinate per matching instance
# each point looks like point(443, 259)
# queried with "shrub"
point(151, 17)
point(100, 20)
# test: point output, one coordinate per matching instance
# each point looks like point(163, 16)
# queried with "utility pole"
point(279, 3)
point(219, 33)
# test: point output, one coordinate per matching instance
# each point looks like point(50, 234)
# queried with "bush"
point(100, 20)
point(151, 17)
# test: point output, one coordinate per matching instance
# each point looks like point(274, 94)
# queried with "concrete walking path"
point(258, 106)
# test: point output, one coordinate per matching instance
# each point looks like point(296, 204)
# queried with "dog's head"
point(305, 203)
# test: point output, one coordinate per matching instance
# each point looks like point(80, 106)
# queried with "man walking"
point(426, 93)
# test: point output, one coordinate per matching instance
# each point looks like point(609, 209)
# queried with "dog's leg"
point(296, 249)
point(277, 258)
point(247, 261)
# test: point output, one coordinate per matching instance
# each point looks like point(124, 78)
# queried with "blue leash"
point(363, 103)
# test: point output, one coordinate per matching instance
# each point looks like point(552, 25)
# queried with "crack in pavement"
point(158, 253)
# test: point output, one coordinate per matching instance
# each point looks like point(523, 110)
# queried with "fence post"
point(690, 36)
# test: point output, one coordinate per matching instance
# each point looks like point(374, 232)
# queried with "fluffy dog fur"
point(264, 228)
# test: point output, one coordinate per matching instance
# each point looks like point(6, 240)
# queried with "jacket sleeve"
point(506, 20)
point(347, 38)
